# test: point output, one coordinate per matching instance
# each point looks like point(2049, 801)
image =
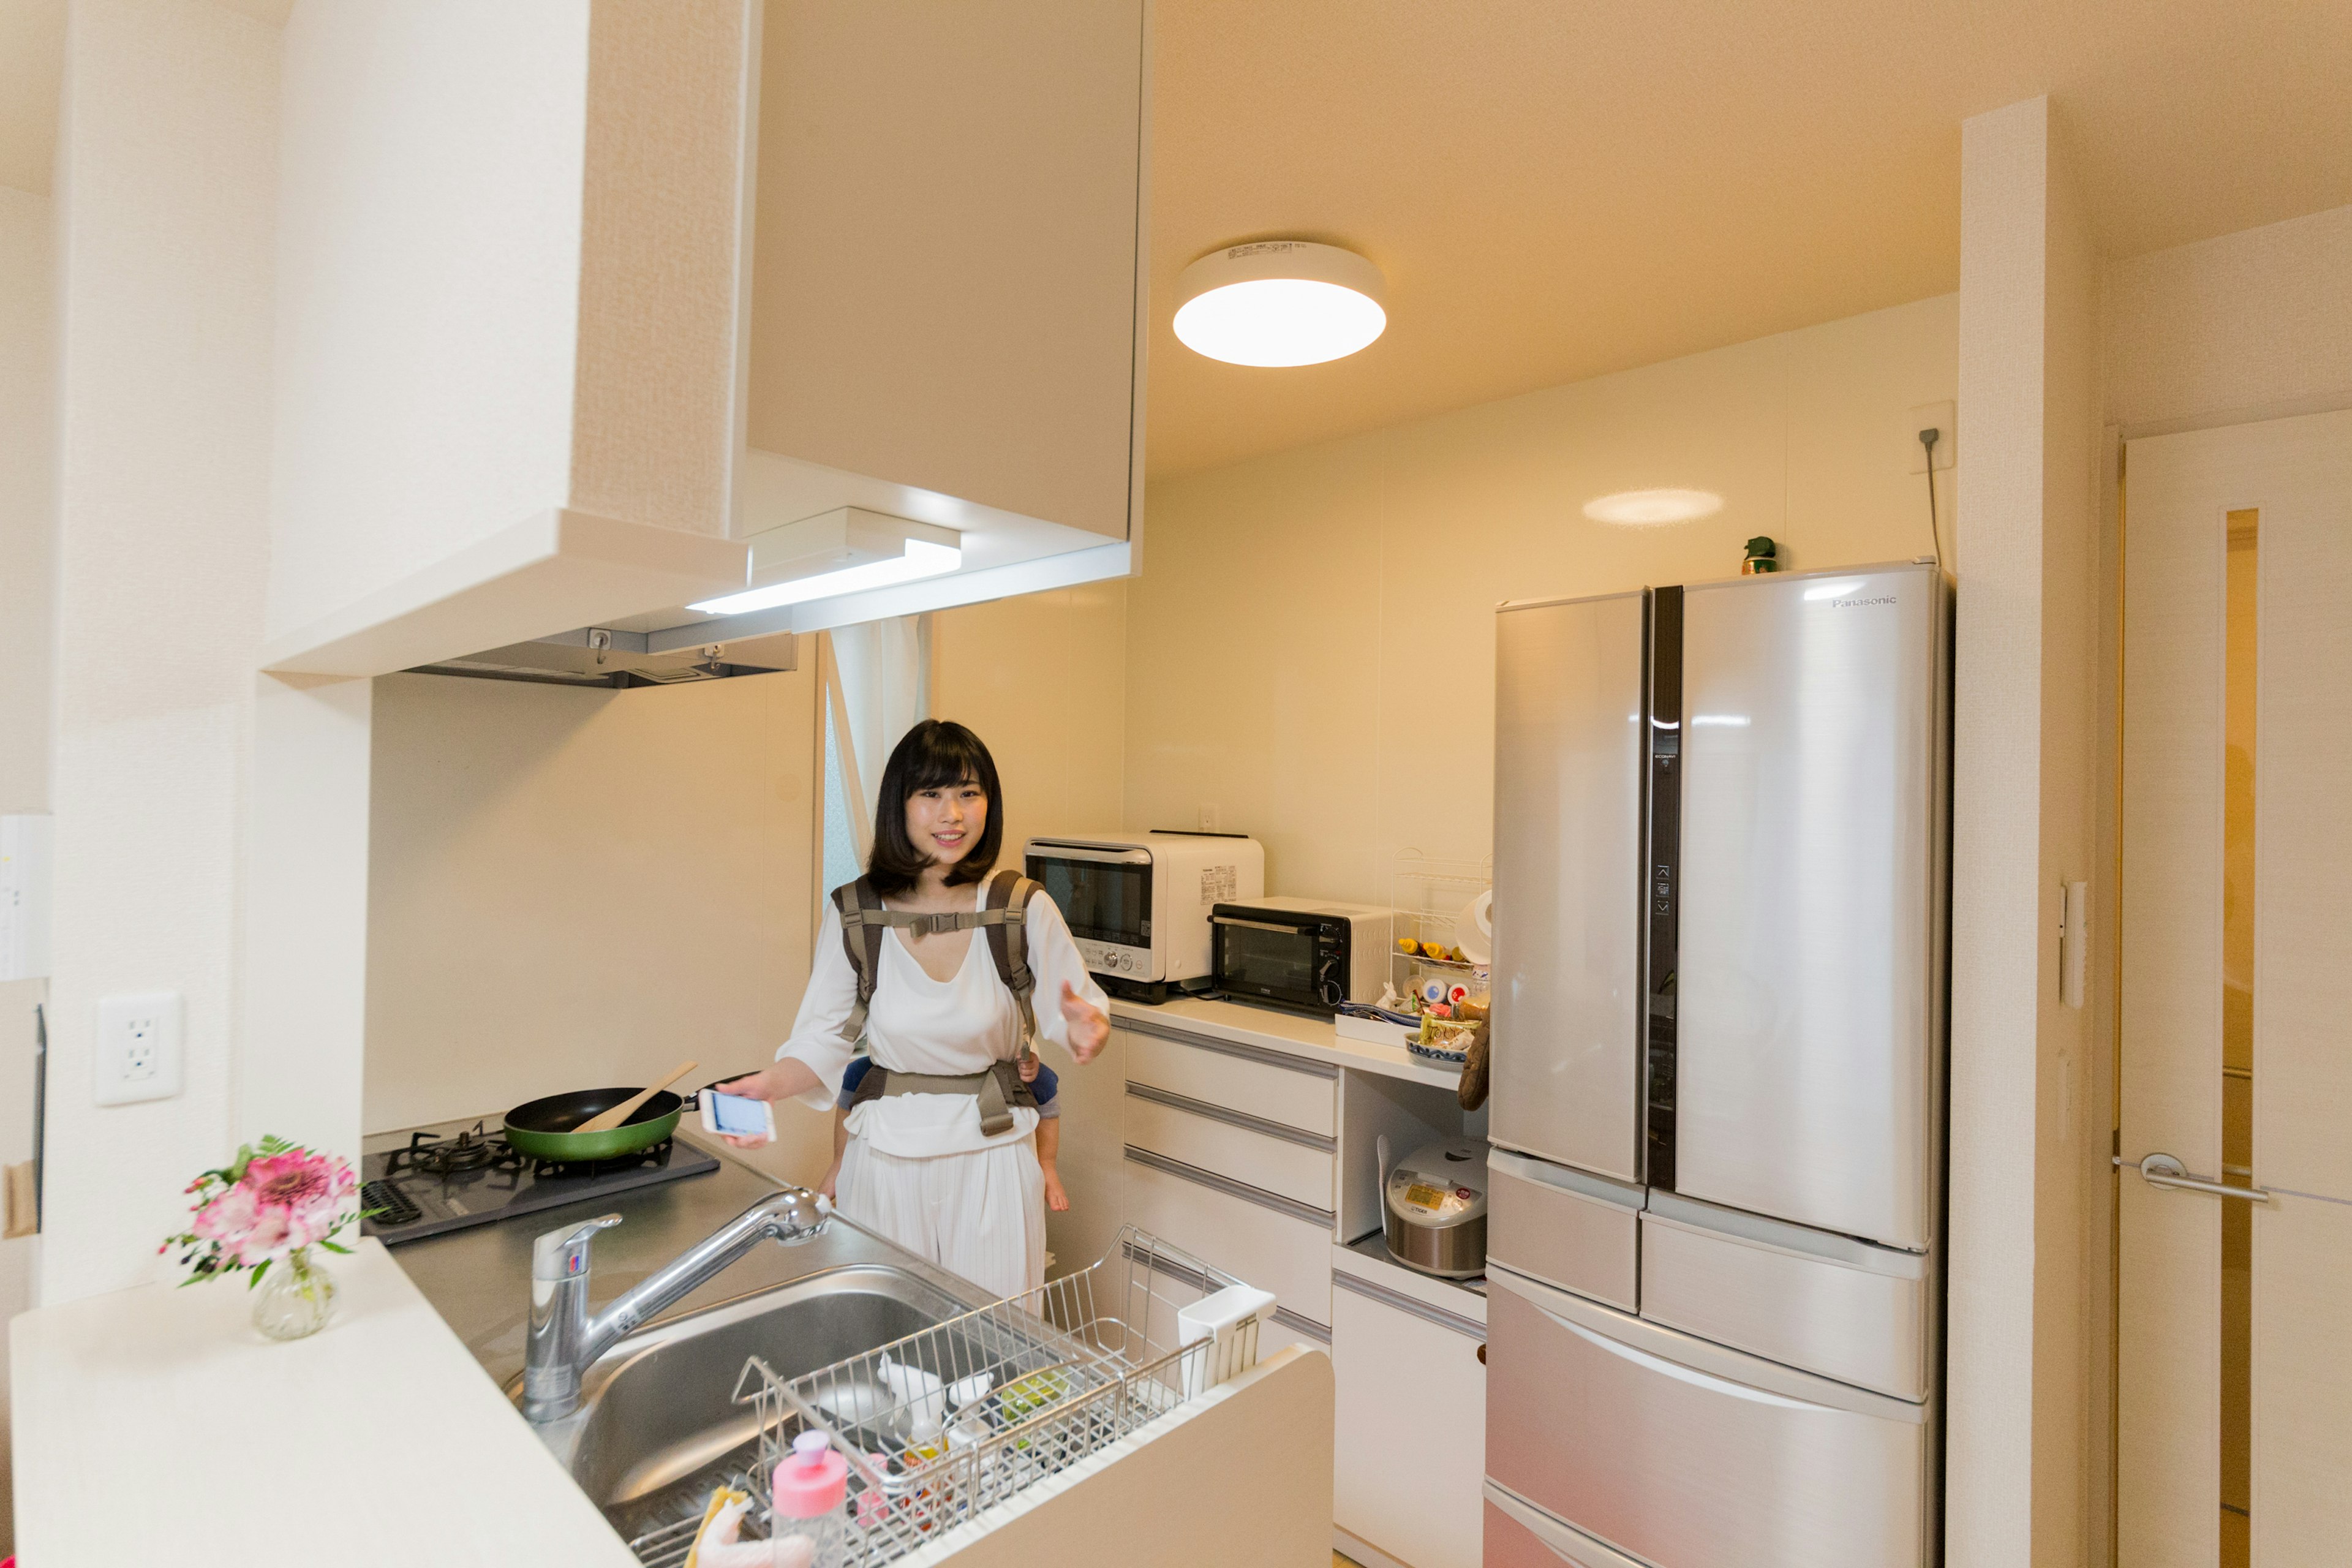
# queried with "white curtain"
point(877, 686)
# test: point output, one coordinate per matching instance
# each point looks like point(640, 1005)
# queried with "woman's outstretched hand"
point(1087, 1026)
point(781, 1080)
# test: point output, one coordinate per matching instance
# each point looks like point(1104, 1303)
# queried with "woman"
point(918, 1169)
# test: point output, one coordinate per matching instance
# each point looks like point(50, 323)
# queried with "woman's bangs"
point(944, 760)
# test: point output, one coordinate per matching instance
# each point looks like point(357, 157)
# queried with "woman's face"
point(947, 820)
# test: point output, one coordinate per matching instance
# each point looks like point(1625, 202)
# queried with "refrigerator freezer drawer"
point(1520, 1536)
point(1809, 1025)
point(1562, 1226)
point(1824, 1303)
point(1683, 1453)
point(1569, 754)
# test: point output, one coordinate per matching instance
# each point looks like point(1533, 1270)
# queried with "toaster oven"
point(1138, 903)
point(1307, 956)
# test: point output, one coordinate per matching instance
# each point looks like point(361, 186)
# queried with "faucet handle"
point(561, 1255)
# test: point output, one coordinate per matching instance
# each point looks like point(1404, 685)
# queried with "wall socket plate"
point(138, 1048)
point(1944, 416)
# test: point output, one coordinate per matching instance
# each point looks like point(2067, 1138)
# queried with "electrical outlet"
point(138, 1048)
point(1208, 818)
point(1941, 417)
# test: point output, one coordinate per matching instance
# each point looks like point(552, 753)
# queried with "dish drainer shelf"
point(945, 1422)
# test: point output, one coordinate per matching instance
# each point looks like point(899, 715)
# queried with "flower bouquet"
point(265, 1212)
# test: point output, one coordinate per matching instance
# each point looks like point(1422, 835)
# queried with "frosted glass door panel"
point(1809, 978)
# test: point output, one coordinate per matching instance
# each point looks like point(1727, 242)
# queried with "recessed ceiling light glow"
point(1279, 303)
point(1648, 508)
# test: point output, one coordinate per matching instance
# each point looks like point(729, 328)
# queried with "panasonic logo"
point(1858, 603)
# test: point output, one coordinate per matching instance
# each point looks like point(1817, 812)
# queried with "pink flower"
point(283, 1202)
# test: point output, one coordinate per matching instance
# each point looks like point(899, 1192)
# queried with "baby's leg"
point(1049, 1145)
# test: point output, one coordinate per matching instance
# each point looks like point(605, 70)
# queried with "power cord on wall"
point(1928, 439)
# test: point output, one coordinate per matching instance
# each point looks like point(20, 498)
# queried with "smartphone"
point(737, 1117)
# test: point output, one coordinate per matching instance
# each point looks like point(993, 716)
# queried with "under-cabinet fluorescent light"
point(1279, 303)
point(1729, 721)
point(849, 549)
point(922, 559)
point(1647, 509)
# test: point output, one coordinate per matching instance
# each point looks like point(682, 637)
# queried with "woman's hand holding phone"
point(780, 1080)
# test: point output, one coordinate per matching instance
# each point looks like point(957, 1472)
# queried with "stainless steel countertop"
point(479, 1279)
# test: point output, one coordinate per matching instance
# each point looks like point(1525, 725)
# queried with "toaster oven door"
point(1269, 959)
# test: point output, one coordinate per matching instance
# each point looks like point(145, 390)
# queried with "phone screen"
point(734, 1114)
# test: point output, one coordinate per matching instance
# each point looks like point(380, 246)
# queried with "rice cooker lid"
point(1440, 1186)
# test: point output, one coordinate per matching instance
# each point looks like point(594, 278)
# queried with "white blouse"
point(917, 1024)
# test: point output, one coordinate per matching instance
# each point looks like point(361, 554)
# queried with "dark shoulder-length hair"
point(934, 754)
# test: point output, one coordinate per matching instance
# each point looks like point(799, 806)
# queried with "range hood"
point(619, 658)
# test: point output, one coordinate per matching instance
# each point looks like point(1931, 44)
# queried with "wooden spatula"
point(605, 1120)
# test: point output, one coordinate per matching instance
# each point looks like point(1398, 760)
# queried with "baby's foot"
point(1055, 1199)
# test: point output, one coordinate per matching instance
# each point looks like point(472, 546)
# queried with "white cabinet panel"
point(1227, 1076)
point(1265, 1247)
point(1411, 1432)
point(1273, 1165)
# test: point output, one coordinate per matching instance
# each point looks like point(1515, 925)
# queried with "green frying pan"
point(542, 1129)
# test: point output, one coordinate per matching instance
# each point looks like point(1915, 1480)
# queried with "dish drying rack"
point(946, 1422)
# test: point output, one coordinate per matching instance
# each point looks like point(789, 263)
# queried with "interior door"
point(2234, 1372)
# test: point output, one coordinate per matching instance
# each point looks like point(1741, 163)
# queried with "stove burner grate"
point(655, 1154)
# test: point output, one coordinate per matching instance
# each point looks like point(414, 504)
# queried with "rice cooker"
point(1435, 1206)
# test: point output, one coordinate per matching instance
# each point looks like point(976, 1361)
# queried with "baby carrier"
point(1004, 922)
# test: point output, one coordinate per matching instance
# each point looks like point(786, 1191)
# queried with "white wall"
point(165, 208)
point(572, 887)
point(1310, 647)
point(2026, 670)
point(2250, 325)
point(27, 434)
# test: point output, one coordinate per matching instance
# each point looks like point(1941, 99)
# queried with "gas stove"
point(432, 1180)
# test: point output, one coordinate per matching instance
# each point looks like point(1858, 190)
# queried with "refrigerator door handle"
point(1696, 1379)
point(1568, 1543)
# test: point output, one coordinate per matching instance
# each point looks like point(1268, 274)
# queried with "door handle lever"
point(2164, 1171)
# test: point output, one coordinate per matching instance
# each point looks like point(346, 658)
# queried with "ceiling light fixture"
point(1648, 508)
point(1279, 303)
point(848, 550)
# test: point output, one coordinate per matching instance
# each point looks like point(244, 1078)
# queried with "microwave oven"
point(1306, 955)
point(1138, 903)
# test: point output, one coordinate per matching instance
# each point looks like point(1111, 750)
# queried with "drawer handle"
point(1682, 1373)
point(1482, 1352)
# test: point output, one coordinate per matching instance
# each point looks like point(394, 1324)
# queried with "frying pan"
point(542, 1129)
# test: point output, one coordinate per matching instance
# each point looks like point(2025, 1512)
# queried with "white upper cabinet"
point(946, 291)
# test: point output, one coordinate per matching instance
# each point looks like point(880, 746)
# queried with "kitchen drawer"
point(1520, 1536)
point(1678, 1451)
point(1562, 1226)
point(1825, 1303)
point(1257, 1237)
point(1294, 1165)
point(1239, 1077)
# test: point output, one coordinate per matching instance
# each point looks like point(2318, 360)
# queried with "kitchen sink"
point(657, 1426)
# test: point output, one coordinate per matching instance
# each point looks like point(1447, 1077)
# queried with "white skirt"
point(980, 1214)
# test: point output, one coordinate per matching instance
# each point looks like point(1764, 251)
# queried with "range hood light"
point(848, 550)
point(1279, 303)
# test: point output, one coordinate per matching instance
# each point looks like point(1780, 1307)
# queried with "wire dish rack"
point(946, 1422)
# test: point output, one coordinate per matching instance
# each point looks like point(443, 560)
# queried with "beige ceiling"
point(1560, 188)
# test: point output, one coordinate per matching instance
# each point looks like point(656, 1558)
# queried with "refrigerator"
point(1715, 1302)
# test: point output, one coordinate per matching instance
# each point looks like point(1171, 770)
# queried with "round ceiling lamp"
point(1279, 303)
point(1648, 508)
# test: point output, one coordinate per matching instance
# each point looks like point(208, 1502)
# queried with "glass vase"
point(294, 1298)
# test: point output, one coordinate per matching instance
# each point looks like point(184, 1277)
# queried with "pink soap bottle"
point(812, 1482)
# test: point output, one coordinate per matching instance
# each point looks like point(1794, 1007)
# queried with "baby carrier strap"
point(1005, 921)
point(998, 1090)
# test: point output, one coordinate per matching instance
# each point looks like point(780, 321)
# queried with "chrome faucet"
point(564, 1340)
